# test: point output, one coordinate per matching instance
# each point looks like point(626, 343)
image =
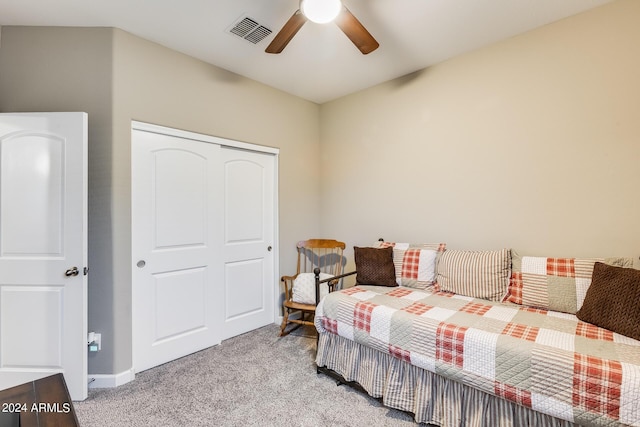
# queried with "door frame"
point(179, 133)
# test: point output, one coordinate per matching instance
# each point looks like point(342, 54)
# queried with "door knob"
point(269, 248)
point(141, 263)
point(73, 271)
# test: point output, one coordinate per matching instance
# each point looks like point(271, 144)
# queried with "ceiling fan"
point(324, 11)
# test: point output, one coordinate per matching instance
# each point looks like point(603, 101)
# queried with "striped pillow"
point(477, 274)
point(558, 284)
point(415, 263)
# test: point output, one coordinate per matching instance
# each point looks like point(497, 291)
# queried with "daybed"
point(488, 338)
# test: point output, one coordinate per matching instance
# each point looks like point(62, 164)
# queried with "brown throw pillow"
point(375, 266)
point(613, 300)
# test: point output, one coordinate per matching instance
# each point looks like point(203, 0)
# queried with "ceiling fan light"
point(321, 11)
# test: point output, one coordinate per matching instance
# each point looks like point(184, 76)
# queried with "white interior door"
point(43, 248)
point(176, 227)
point(249, 232)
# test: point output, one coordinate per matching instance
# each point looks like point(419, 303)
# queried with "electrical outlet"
point(95, 341)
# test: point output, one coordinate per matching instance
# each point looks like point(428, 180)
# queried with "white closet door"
point(176, 229)
point(204, 237)
point(248, 240)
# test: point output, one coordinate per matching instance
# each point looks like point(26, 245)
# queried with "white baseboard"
point(111, 380)
point(295, 315)
point(116, 380)
point(278, 319)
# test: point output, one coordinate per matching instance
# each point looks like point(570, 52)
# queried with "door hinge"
point(85, 271)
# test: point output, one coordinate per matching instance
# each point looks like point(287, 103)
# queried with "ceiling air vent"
point(250, 30)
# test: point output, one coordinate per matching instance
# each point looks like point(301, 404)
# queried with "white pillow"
point(304, 288)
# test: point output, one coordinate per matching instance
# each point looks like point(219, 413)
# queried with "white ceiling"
point(320, 63)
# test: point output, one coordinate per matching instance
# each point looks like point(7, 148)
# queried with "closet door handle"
point(269, 248)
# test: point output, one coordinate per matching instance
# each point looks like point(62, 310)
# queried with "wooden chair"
point(323, 256)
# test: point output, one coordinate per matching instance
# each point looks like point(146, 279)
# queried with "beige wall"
point(532, 143)
point(64, 69)
point(117, 77)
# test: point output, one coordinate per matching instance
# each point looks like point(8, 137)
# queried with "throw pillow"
point(374, 266)
point(613, 300)
point(304, 288)
point(415, 263)
point(477, 274)
point(558, 284)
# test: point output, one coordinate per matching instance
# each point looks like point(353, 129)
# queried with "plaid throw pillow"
point(415, 263)
point(558, 284)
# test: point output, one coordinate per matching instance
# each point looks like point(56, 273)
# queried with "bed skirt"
point(430, 397)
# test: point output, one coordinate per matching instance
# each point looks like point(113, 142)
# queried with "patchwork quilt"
point(545, 360)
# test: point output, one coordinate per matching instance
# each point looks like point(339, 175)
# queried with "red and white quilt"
point(545, 360)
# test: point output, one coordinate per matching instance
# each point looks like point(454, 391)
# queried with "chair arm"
point(288, 285)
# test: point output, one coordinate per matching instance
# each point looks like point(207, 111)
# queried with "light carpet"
point(255, 379)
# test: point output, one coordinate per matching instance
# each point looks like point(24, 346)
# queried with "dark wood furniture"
point(41, 403)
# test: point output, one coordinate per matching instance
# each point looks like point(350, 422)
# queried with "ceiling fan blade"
point(356, 32)
point(282, 39)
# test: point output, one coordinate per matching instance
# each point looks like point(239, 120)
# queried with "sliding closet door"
point(248, 251)
point(203, 241)
point(177, 235)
